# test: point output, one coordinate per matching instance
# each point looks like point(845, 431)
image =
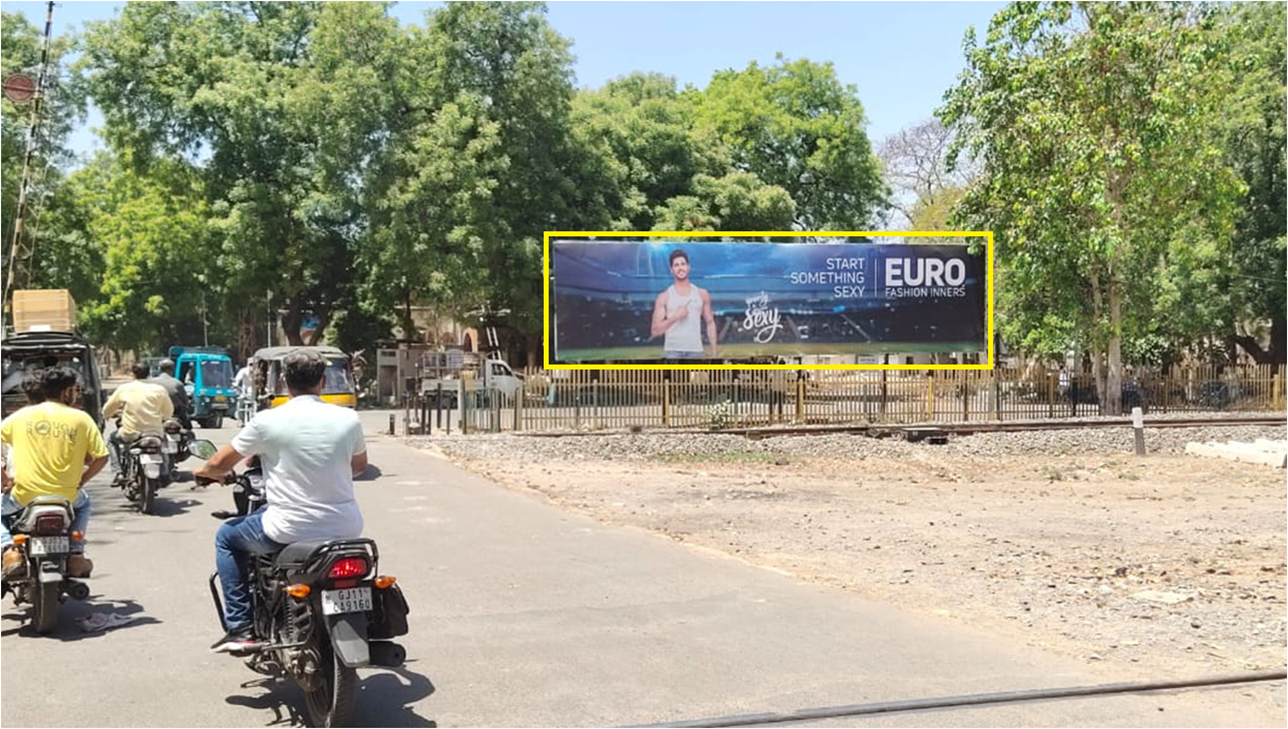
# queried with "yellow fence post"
point(666, 401)
point(800, 399)
point(930, 397)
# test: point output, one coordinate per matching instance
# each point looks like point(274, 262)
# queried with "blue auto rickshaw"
point(207, 375)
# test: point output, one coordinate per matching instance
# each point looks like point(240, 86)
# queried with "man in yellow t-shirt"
point(56, 449)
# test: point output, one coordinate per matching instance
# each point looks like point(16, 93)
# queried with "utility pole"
point(15, 259)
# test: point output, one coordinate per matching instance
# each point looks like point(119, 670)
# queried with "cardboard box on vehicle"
point(43, 310)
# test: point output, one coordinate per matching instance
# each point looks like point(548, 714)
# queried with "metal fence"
point(620, 399)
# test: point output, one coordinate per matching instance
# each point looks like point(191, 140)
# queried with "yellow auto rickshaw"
point(270, 381)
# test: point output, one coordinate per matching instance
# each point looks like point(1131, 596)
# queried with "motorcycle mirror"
point(202, 449)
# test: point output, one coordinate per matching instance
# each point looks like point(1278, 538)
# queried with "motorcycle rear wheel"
point(331, 704)
point(147, 495)
point(44, 606)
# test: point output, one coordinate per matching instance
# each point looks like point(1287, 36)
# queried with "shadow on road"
point(372, 473)
point(72, 611)
point(386, 698)
point(163, 506)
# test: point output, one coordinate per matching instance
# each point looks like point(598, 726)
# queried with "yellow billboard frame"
point(545, 288)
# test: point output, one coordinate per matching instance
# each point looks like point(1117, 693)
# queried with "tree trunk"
point(1112, 401)
point(291, 321)
point(408, 326)
point(535, 354)
point(1098, 373)
point(1097, 349)
point(324, 318)
point(1278, 352)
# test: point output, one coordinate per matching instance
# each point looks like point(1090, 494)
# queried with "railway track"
point(920, 431)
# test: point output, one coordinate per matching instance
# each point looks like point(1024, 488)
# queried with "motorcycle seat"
point(297, 554)
point(25, 518)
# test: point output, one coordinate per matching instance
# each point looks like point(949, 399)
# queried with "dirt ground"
point(1167, 566)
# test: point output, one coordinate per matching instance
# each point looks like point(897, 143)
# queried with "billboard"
point(676, 301)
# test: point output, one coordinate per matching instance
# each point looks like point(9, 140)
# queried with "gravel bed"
point(653, 445)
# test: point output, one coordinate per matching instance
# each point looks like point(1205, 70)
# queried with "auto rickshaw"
point(270, 381)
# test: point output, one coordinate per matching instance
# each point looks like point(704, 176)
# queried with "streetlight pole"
point(269, 326)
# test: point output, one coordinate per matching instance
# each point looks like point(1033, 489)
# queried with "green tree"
point(281, 106)
point(1256, 149)
point(638, 127)
point(431, 211)
point(797, 127)
point(1092, 125)
point(508, 58)
point(147, 233)
point(736, 201)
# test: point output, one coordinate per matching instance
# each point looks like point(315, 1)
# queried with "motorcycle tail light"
point(348, 567)
point(50, 525)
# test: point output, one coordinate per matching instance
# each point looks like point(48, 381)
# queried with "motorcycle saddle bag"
point(389, 618)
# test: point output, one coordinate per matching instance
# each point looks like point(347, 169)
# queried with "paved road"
point(525, 615)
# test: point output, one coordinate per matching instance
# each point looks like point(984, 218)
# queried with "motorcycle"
point(323, 611)
point(144, 471)
point(43, 534)
point(177, 441)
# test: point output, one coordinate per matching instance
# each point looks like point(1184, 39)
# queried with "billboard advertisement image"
point(679, 300)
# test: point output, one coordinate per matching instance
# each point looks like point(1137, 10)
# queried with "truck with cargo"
point(447, 375)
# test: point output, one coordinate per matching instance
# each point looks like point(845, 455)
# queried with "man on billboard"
point(677, 311)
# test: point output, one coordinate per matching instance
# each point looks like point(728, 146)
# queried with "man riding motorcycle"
point(56, 449)
point(178, 395)
point(144, 408)
point(310, 450)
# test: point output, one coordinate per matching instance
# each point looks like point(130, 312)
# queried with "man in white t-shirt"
point(680, 311)
point(311, 450)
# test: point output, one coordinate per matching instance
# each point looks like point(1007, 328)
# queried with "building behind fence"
point(621, 399)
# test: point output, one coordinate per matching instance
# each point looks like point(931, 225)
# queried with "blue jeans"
point(10, 506)
point(237, 539)
point(115, 443)
point(672, 354)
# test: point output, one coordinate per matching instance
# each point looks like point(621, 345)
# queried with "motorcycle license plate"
point(51, 545)
point(150, 458)
point(171, 446)
point(352, 600)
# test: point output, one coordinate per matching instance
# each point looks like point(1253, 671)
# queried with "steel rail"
point(970, 700)
point(887, 429)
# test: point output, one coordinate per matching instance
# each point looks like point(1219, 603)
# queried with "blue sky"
point(902, 56)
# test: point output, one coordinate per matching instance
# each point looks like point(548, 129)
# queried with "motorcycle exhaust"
point(76, 590)
point(387, 654)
